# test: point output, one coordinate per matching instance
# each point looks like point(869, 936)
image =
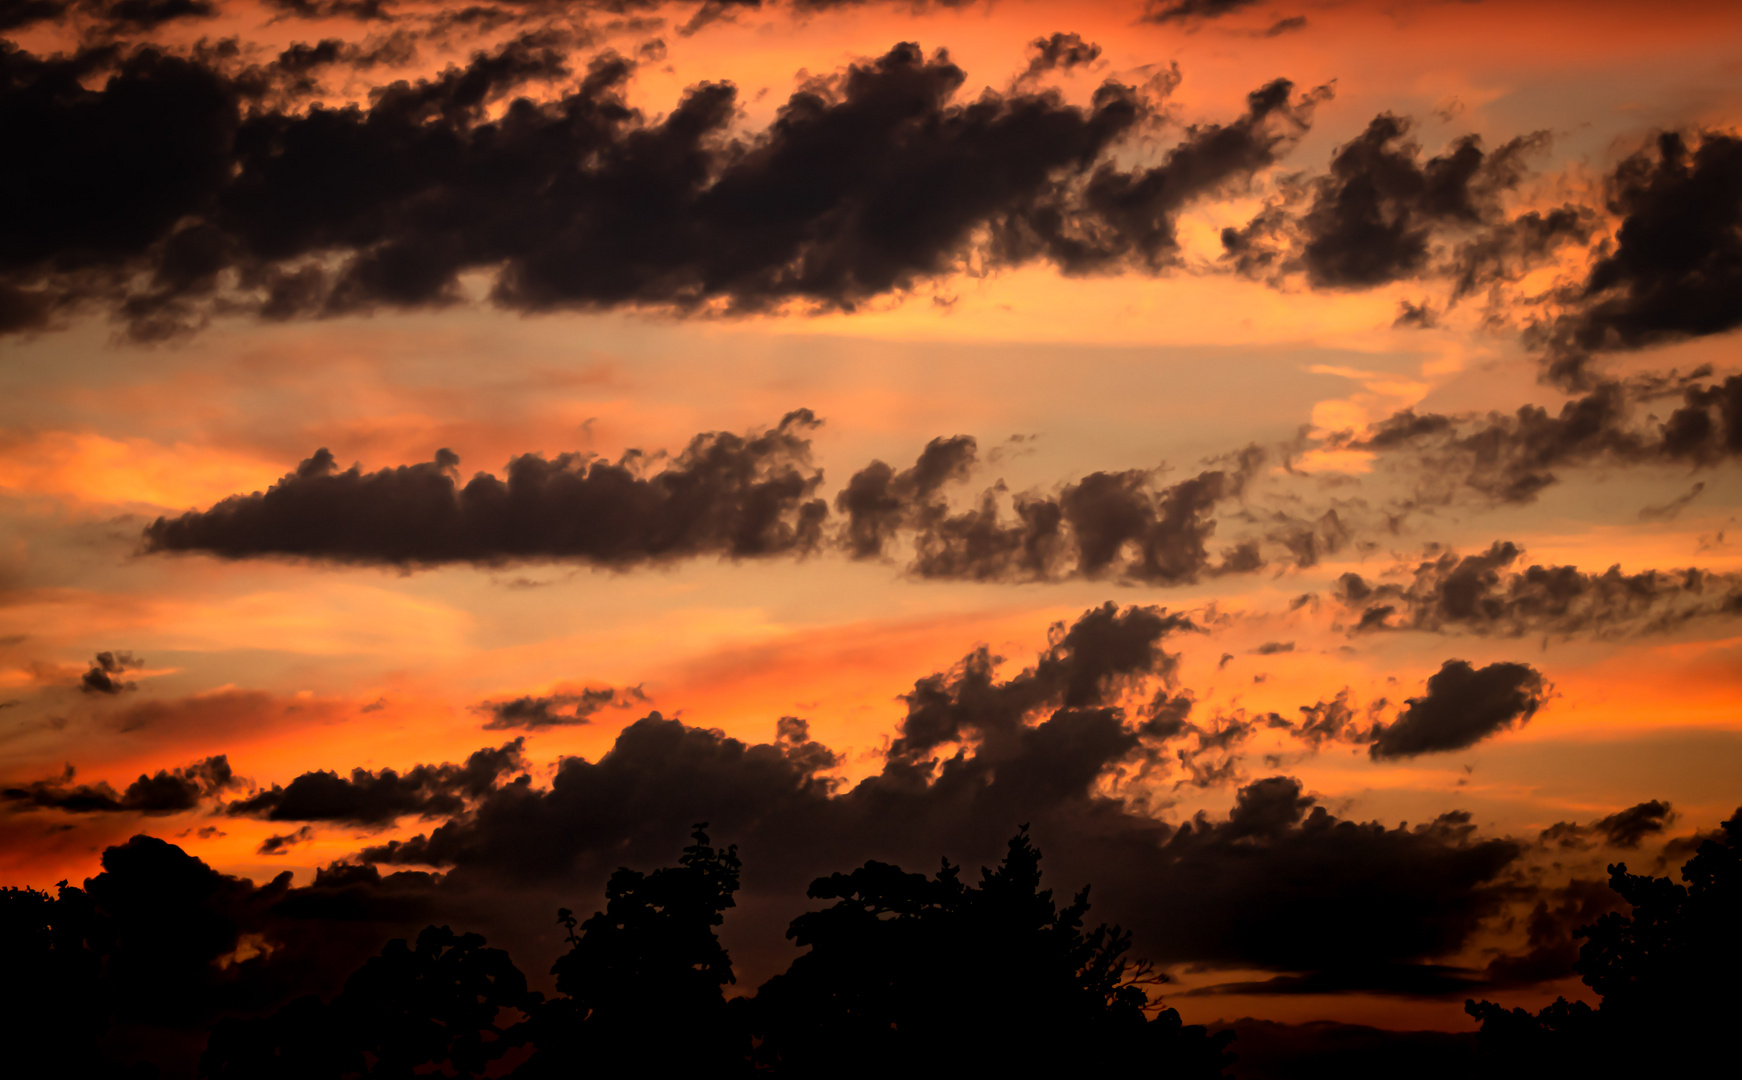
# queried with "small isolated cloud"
point(105, 674)
point(1463, 706)
point(278, 845)
point(531, 713)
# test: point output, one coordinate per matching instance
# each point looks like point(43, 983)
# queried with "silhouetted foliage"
point(436, 1004)
point(642, 981)
point(1666, 971)
point(901, 974)
point(50, 1007)
point(936, 976)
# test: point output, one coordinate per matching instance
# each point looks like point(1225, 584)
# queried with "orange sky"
point(288, 667)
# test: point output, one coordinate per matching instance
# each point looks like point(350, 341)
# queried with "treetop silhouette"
point(1666, 973)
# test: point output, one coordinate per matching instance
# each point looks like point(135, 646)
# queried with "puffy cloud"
point(1085, 666)
point(1060, 52)
point(1379, 213)
point(727, 495)
point(1106, 524)
point(375, 799)
point(879, 501)
point(1371, 217)
point(1624, 829)
point(744, 496)
point(1463, 705)
point(1384, 213)
point(867, 183)
point(1675, 270)
point(104, 676)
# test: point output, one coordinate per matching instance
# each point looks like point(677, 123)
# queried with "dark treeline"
point(902, 974)
point(1667, 974)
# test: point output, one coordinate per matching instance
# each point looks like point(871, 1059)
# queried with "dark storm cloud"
point(1511, 458)
point(361, 10)
point(1489, 593)
point(111, 171)
point(169, 791)
point(18, 14)
point(1036, 747)
point(702, 14)
point(1106, 524)
point(148, 14)
point(105, 674)
point(532, 713)
point(374, 799)
point(1551, 945)
point(113, 16)
point(726, 495)
point(1279, 884)
point(1257, 887)
point(867, 182)
point(1463, 705)
point(1675, 270)
point(1242, 891)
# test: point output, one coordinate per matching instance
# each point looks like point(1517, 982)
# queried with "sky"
point(1284, 452)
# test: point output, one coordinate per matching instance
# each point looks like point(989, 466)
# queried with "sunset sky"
point(1377, 360)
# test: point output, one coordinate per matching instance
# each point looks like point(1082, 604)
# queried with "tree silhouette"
point(643, 980)
point(902, 973)
point(1666, 973)
point(51, 998)
point(910, 974)
point(435, 1005)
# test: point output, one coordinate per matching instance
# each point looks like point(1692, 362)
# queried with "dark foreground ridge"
point(903, 974)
